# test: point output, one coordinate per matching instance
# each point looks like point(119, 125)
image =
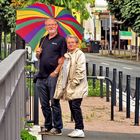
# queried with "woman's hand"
point(54, 74)
point(61, 60)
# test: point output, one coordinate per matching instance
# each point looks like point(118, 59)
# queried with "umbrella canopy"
point(30, 23)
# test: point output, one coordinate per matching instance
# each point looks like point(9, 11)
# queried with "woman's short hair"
point(74, 37)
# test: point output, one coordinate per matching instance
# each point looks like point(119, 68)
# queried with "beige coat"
point(72, 80)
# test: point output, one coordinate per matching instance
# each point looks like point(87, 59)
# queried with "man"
point(52, 48)
point(72, 83)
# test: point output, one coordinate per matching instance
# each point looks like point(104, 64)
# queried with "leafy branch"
point(127, 11)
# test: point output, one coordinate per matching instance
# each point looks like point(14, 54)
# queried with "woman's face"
point(71, 44)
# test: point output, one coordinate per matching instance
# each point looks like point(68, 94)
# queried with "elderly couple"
point(62, 74)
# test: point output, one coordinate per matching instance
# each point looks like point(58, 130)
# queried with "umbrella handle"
point(40, 46)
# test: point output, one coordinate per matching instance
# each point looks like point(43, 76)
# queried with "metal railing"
point(111, 90)
point(12, 95)
point(33, 97)
point(122, 96)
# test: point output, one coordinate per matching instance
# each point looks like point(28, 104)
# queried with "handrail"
point(12, 95)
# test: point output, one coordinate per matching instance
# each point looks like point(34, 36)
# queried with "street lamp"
point(110, 29)
point(137, 48)
point(94, 19)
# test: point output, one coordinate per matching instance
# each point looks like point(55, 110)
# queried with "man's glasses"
point(48, 25)
point(71, 42)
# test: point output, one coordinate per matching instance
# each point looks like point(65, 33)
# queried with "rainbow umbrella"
point(30, 22)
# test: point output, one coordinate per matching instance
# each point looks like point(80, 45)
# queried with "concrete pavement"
point(95, 135)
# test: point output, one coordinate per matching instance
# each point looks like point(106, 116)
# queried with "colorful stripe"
point(30, 22)
point(42, 7)
point(20, 21)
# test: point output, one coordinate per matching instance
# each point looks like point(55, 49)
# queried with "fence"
point(33, 107)
point(113, 83)
point(12, 95)
point(110, 84)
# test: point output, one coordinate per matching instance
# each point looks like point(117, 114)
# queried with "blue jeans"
point(50, 107)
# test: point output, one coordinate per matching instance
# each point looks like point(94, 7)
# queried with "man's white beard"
point(52, 31)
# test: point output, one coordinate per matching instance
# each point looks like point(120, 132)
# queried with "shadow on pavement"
point(95, 135)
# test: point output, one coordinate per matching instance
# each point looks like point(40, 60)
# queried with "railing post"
point(101, 82)
point(112, 103)
point(30, 88)
point(120, 91)
point(94, 74)
point(107, 84)
point(114, 85)
point(128, 90)
point(137, 96)
point(87, 69)
point(71, 118)
point(112, 99)
point(36, 106)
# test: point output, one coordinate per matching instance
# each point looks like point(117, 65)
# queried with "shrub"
point(94, 91)
point(25, 135)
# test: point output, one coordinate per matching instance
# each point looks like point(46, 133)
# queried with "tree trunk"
point(20, 43)
point(0, 43)
point(13, 42)
point(5, 44)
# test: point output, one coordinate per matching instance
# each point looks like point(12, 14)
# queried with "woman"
point(72, 83)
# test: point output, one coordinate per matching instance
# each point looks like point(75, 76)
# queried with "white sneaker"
point(77, 133)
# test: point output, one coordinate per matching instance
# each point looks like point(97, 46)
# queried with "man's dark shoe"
point(55, 131)
point(44, 131)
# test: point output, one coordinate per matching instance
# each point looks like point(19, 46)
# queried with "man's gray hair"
point(74, 37)
point(51, 19)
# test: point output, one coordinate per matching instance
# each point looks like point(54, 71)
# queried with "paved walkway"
point(96, 113)
point(96, 135)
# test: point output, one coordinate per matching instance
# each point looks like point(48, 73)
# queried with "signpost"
point(105, 25)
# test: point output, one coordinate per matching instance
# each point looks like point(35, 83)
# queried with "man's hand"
point(38, 52)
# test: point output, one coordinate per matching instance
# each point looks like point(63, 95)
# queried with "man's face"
point(71, 44)
point(51, 26)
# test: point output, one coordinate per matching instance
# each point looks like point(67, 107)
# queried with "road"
point(127, 67)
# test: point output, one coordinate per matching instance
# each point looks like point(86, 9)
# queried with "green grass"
point(95, 91)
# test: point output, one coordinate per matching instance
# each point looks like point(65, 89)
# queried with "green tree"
point(127, 11)
point(78, 5)
point(5, 27)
